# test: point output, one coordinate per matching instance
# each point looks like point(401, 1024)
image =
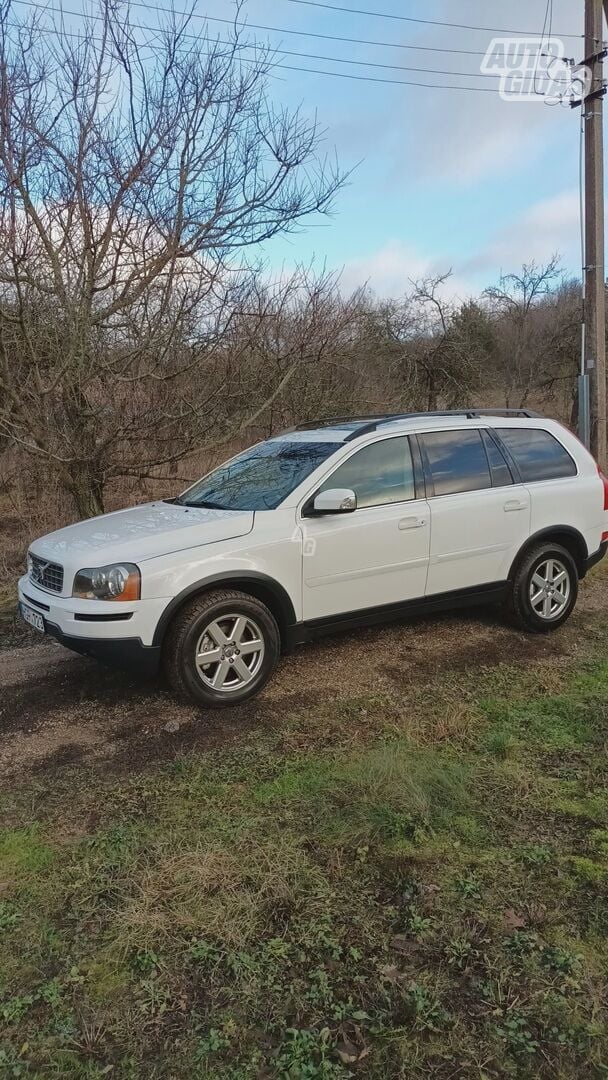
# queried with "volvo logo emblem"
point(38, 570)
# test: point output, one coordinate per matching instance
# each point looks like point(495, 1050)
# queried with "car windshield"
point(261, 477)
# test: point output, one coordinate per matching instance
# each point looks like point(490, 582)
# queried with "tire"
point(544, 612)
point(237, 668)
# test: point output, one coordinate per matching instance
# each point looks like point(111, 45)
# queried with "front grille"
point(47, 575)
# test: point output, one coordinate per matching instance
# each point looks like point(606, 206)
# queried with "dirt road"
point(57, 708)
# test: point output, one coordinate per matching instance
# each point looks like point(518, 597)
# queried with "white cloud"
point(485, 139)
point(547, 227)
point(391, 270)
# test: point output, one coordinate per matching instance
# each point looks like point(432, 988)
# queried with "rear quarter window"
point(537, 454)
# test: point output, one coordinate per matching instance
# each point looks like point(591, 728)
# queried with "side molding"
point(494, 592)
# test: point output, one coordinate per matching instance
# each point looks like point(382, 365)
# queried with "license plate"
point(32, 618)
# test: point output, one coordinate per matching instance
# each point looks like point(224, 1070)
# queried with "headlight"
point(118, 581)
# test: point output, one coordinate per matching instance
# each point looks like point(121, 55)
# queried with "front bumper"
point(118, 634)
point(126, 653)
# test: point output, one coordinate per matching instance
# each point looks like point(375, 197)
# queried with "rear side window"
point(501, 473)
point(457, 461)
point(380, 473)
point(537, 454)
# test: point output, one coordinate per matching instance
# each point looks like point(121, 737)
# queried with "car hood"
point(140, 533)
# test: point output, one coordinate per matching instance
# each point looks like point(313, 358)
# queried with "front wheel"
point(544, 588)
point(221, 648)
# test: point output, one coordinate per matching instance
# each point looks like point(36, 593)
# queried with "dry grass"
point(229, 892)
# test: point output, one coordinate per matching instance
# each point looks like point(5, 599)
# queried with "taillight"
point(605, 483)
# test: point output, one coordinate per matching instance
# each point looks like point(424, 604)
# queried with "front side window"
point(378, 474)
point(537, 454)
point(261, 477)
point(457, 461)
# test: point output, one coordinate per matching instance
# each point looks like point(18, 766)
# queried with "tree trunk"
point(431, 393)
point(86, 490)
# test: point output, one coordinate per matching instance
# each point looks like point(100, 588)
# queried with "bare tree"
point(444, 348)
point(536, 315)
point(302, 335)
point(131, 188)
point(432, 356)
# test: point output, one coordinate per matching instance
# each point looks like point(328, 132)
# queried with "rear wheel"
point(221, 648)
point(545, 588)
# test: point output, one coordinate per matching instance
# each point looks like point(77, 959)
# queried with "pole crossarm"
point(589, 97)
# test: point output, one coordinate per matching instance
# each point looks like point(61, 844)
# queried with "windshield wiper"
point(204, 504)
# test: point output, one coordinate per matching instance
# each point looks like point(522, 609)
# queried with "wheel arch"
point(262, 587)
point(565, 535)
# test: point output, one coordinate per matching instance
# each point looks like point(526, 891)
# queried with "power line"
point(303, 55)
point(286, 67)
point(78, 37)
point(411, 19)
point(392, 82)
point(274, 29)
point(542, 40)
point(391, 67)
point(358, 63)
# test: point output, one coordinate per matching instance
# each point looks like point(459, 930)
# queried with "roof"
point(345, 429)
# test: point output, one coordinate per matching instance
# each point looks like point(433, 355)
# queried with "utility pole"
point(594, 271)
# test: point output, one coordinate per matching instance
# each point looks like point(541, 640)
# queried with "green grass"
point(428, 899)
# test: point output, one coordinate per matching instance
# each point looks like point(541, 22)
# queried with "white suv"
point(335, 524)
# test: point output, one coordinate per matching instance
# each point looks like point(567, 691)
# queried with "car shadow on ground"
point(60, 709)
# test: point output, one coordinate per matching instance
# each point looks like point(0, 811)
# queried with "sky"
point(442, 179)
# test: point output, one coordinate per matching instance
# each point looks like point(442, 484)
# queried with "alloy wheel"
point(229, 652)
point(550, 589)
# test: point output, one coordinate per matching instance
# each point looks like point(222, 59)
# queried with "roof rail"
point(371, 422)
point(327, 421)
point(469, 414)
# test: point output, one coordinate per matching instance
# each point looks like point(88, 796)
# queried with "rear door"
point(480, 513)
point(561, 493)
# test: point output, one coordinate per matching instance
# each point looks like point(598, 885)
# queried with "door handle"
point(412, 523)
point(514, 504)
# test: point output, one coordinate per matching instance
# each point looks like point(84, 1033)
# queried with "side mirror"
point(335, 501)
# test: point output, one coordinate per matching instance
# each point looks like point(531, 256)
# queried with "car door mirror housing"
point(335, 501)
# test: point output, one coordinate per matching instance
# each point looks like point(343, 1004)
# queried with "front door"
point(377, 555)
